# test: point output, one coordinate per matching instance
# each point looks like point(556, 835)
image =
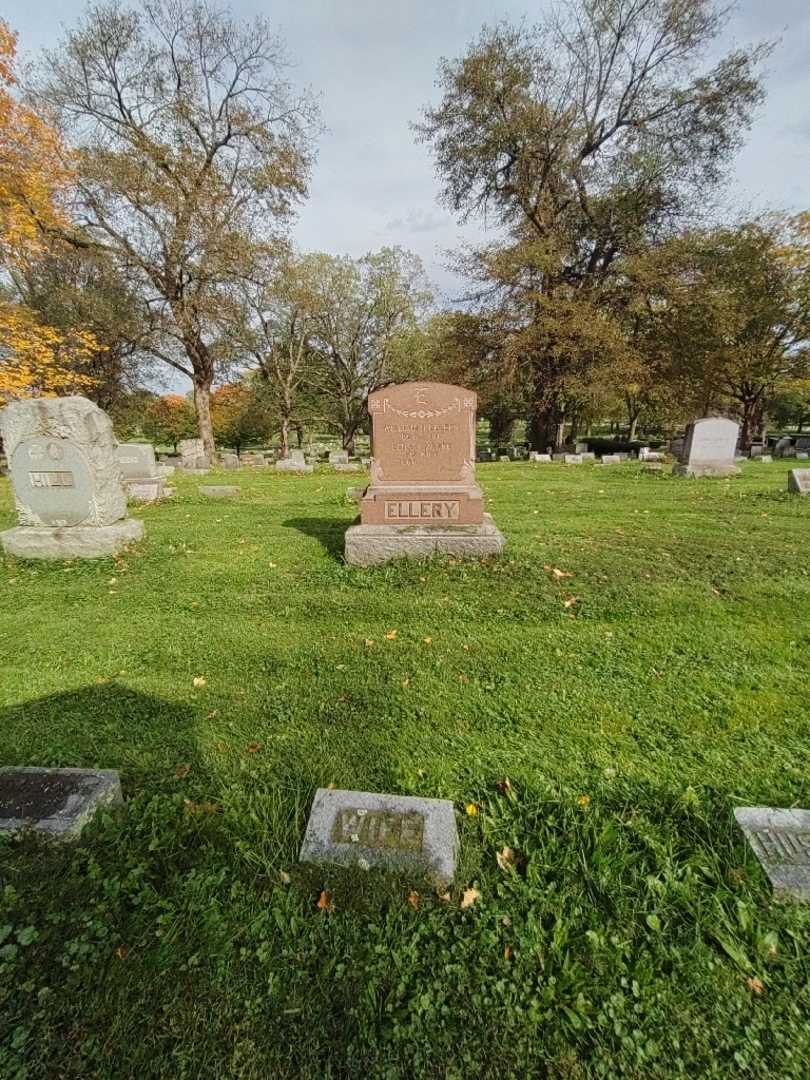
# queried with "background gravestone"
point(67, 480)
point(709, 448)
point(139, 471)
point(192, 454)
point(423, 497)
point(799, 481)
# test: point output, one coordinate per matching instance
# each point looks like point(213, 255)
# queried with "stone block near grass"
point(55, 802)
point(780, 839)
point(393, 832)
point(799, 481)
point(219, 491)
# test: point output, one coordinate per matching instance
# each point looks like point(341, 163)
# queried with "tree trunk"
point(202, 406)
point(501, 425)
point(347, 440)
point(752, 423)
point(299, 434)
point(285, 436)
point(631, 431)
point(542, 429)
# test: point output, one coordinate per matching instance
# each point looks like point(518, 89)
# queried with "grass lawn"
point(636, 936)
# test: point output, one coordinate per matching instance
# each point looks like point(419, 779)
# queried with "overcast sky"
point(373, 63)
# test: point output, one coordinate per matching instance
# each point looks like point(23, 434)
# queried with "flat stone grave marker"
point(422, 498)
point(218, 491)
point(802, 455)
point(766, 459)
point(347, 466)
point(780, 839)
point(56, 802)
point(611, 459)
point(709, 448)
point(67, 483)
point(395, 832)
point(339, 457)
point(799, 481)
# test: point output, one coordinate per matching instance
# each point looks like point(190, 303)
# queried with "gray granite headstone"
point(611, 459)
point(799, 481)
point(66, 478)
point(780, 839)
point(57, 802)
point(709, 448)
point(802, 455)
point(192, 454)
point(339, 457)
point(571, 459)
point(396, 832)
point(784, 447)
point(137, 460)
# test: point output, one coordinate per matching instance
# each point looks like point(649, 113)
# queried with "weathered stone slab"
point(148, 489)
point(543, 459)
point(780, 839)
point(571, 459)
point(394, 832)
point(652, 467)
point(802, 455)
point(799, 481)
point(355, 493)
point(56, 802)
point(339, 457)
point(611, 459)
point(137, 460)
point(293, 465)
point(78, 542)
point(588, 456)
point(709, 448)
point(192, 454)
point(370, 545)
point(218, 491)
point(165, 471)
point(504, 457)
point(348, 466)
point(229, 461)
point(766, 459)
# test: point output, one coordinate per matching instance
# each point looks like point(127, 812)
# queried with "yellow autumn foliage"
point(39, 360)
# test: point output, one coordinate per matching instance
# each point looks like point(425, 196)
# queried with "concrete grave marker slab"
point(422, 493)
point(137, 460)
point(611, 459)
point(67, 480)
point(780, 839)
point(218, 491)
point(229, 461)
point(339, 457)
point(57, 802)
point(347, 466)
point(296, 463)
point(799, 481)
point(395, 832)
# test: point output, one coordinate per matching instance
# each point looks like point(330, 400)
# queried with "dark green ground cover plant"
point(595, 732)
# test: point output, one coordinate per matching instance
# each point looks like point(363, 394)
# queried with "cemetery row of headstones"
point(68, 476)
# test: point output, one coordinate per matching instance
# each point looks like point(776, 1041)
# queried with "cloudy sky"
point(373, 63)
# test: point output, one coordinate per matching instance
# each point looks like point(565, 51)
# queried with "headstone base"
point(285, 465)
point(371, 545)
point(76, 542)
point(56, 802)
point(705, 470)
point(780, 840)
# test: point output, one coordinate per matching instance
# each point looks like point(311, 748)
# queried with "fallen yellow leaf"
point(413, 900)
point(428, 640)
point(253, 747)
point(324, 901)
point(507, 952)
point(756, 985)
point(182, 771)
point(583, 800)
point(469, 897)
point(200, 680)
point(391, 635)
point(472, 809)
point(505, 858)
point(121, 952)
point(570, 601)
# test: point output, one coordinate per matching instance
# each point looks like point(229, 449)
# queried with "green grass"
point(676, 687)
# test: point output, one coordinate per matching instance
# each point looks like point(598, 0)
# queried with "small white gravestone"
point(572, 459)
point(709, 448)
point(339, 457)
point(540, 459)
point(780, 839)
point(611, 459)
point(67, 480)
point(296, 462)
point(799, 481)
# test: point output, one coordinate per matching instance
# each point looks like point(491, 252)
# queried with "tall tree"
point(191, 151)
point(730, 307)
point(279, 321)
point(359, 308)
point(35, 176)
point(583, 138)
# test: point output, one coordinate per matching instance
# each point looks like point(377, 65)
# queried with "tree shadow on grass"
point(329, 532)
point(104, 726)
